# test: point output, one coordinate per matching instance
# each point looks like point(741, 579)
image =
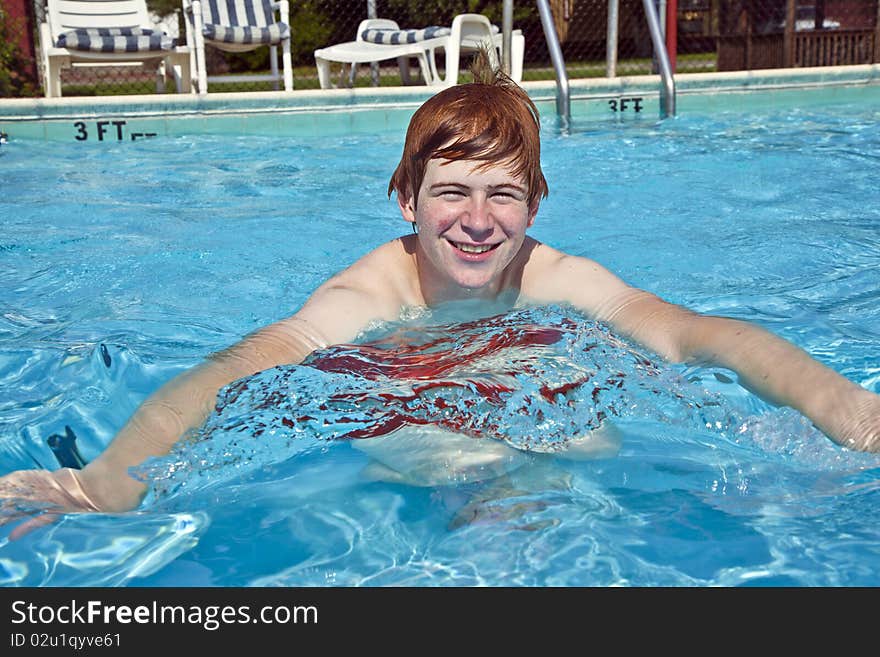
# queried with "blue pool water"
point(123, 264)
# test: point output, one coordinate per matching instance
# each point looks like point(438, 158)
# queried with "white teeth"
point(469, 248)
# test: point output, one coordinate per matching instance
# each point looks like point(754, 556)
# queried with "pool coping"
point(333, 111)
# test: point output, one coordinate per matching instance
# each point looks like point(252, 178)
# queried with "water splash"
point(534, 379)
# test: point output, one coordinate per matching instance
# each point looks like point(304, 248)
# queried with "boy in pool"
point(470, 183)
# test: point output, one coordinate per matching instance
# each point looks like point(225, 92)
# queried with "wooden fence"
point(833, 47)
point(807, 48)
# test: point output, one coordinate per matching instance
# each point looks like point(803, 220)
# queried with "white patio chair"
point(107, 33)
point(239, 26)
point(380, 39)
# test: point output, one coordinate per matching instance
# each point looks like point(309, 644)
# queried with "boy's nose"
point(476, 220)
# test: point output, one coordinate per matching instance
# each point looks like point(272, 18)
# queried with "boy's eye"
point(451, 193)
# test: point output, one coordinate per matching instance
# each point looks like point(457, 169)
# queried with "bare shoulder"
point(374, 288)
point(388, 271)
point(553, 276)
point(556, 277)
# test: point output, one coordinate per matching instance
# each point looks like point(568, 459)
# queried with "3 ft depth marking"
point(632, 103)
point(107, 131)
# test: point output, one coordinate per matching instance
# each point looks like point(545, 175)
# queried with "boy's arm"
point(773, 368)
point(335, 313)
point(183, 404)
point(160, 421)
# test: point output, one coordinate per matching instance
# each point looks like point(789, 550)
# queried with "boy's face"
point(472, 222)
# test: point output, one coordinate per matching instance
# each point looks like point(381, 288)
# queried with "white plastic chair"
point(226, 28)
point(79, 32)
point(467, 33)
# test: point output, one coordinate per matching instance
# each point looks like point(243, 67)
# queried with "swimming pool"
point(124, 264)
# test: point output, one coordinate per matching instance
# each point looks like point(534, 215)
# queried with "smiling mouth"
point(473, 248)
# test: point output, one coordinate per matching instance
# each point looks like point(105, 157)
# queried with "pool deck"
point(110, 119)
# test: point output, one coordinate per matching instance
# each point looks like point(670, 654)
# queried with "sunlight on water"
point(532, 448)
point(95, 550)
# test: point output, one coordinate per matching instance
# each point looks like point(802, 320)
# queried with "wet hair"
point(491, 119)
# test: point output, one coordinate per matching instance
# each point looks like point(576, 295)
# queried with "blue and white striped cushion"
point(272, 34)
point(116, 39)
point(394, 37)
point(242, 21)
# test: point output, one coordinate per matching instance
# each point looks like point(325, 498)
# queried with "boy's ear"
point(407, 208)
point(533, 212)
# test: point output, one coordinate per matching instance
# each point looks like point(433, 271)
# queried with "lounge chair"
point(106, 32)
point(239, 26)
point(380, 39)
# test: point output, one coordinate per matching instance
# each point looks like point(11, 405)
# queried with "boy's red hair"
point(491, 119)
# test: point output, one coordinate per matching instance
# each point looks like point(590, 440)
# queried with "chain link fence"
point(712, 35)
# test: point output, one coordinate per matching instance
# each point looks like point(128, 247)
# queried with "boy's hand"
point(42, 494)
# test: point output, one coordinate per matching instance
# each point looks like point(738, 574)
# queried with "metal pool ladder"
point(563, 95)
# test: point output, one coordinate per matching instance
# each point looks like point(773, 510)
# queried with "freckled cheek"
point(438, 219)
point(512, 222)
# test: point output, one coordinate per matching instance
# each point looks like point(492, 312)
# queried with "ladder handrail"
point(506, 35)
point(667, 82)
point(563, 96)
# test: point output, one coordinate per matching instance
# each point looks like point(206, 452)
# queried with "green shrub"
point(311, 30)
point(417, 13)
